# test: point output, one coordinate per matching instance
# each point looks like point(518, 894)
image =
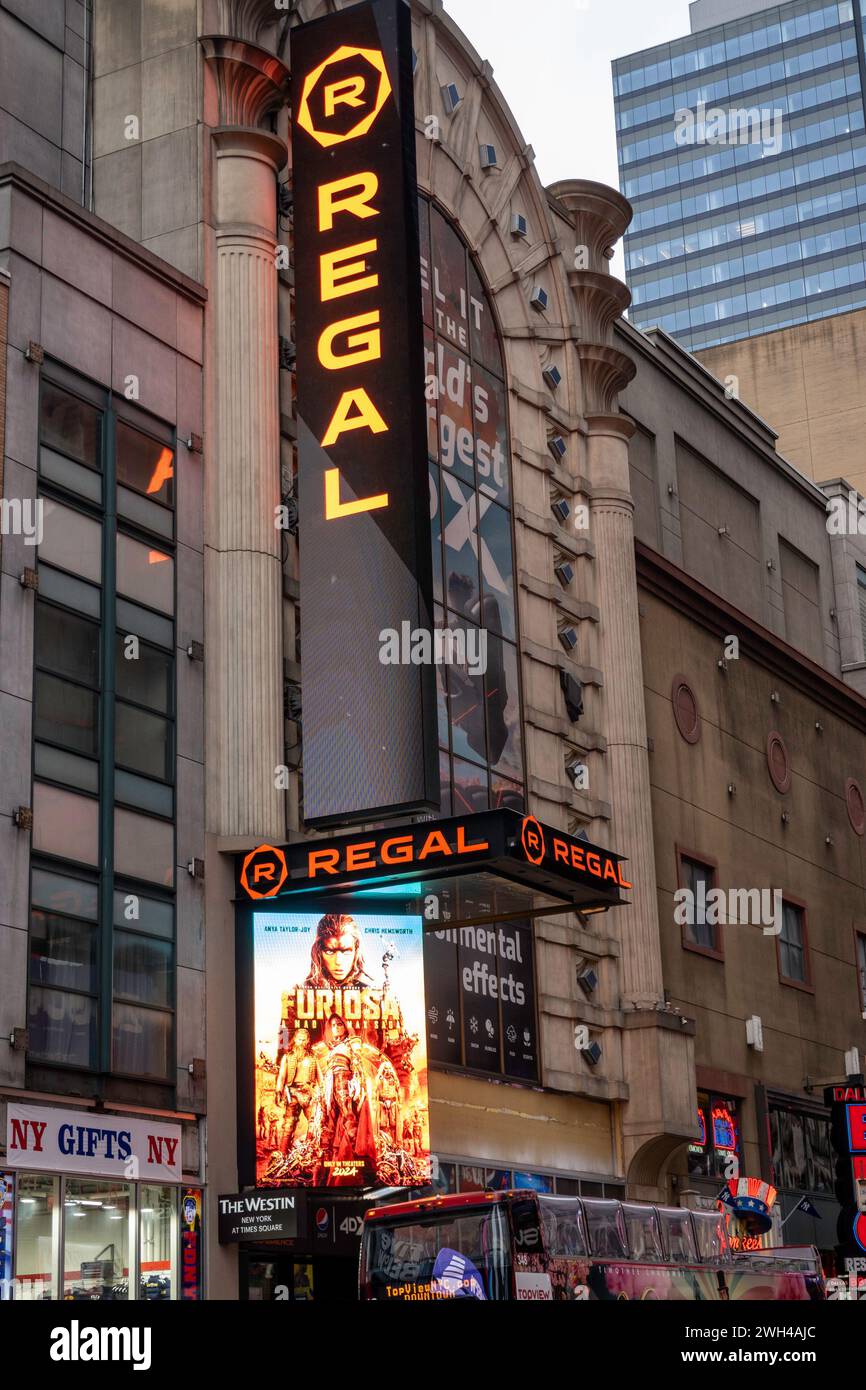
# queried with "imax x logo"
point(462, 529)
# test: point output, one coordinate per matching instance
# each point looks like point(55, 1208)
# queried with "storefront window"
point(96, 1255)
point(37, 1236)
point(115, 1240)
point(802, 1154)
point(716, 1154)
point(157, 1235)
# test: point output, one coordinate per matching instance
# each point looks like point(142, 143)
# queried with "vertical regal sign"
point(369, 729)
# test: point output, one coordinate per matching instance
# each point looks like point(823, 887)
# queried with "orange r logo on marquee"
point(532, 838)
point(264, 872)
point(358, 91)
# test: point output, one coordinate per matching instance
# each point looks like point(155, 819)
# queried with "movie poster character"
point(341, 1074)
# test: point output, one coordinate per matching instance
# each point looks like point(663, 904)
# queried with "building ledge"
point(16, 176)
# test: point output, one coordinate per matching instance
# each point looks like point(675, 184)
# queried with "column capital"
point(599, 299)
point(251, 83)
point(606, 372)
point(600, 216)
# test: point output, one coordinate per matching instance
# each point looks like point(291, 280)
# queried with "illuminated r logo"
point(363, 92)
point(348, 92)
point(532, 839)
point(264, 872)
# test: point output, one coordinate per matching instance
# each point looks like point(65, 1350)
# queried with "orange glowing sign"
point(532, 839)
point(348, 342)
point(739, 1243)
point(362, 86)
point(462, 844)
point(344, 272)
point(162, 473)
point(572, 853)
point(363, 485)
point(397, 849)
point(264, 872)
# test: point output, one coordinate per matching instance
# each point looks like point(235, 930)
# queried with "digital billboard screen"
point(340, 1051)
point(364, 521)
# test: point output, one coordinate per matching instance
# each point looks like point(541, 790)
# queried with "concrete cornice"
point(659, 576)
point(16, 176)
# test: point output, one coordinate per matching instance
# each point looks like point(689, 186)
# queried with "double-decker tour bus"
point(527, 1246)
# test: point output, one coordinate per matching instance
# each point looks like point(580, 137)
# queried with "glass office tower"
point(742, 149)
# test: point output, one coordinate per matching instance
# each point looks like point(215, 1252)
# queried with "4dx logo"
point(264, 872)
point(343, 96)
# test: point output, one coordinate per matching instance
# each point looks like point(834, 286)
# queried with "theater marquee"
point(369, 729)
point(361, 959)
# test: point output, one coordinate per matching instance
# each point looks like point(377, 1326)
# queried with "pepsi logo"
point(323, 1221)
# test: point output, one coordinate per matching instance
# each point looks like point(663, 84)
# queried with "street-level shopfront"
point(797, 1155)
point(93, 1206)
point(319, 1262)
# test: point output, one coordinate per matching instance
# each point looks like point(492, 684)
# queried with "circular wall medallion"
point(686, 713)
point(778, 762)
point(856, 804)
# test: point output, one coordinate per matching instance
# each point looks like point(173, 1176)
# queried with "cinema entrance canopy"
point(493, 866)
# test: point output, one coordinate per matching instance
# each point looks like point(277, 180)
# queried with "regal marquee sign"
point(369, 729)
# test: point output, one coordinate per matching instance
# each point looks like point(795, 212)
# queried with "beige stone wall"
point(147, 179)
point(809, 383)
point(515, 1122)
point(4, 324)
point(806, 1033)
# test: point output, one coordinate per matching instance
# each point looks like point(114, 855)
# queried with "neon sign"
point(363, 502)
point(724, 1129)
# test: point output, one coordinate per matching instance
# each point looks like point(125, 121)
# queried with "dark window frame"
point(114, 409)
point(712, 1098)
point(717, 950)
point(860, 968)
point(806, 984)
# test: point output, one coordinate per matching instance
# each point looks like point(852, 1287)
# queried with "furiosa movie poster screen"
point(341, 1051)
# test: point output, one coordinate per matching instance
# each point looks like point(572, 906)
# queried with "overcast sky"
point(551, 60)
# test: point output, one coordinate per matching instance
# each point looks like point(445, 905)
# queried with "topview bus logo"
point(343, 96)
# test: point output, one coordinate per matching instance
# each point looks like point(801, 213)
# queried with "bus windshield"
point(426, 1258)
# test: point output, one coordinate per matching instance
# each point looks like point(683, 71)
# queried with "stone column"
point(600, 217)
point(612, 530)
point(243, 577)
point(657, 1045)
